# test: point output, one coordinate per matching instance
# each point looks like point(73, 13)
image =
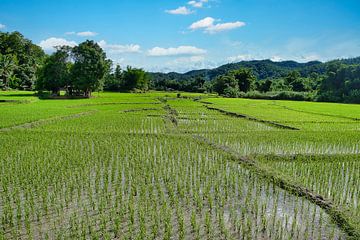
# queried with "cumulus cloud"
point(203, 23)
point(241, 57)
point(220, 27)
point(83, 34)
point(198, 4)
point(86, 34)
point(117, 48)
point(184, 64)
point(175, 51)
point(209, 26)
point(50, 43)
point(2, 26)
point(180, 11)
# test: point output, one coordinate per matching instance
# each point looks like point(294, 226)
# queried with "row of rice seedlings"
point(132, 187)
point(112, 122)
point(247, 137)
point(287, 142)
point(266, 110)
point(336, 178)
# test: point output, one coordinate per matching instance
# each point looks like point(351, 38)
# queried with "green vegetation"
point(85, 68)
point(334, 81)
point(79, 71)
point(19, 61)
point(177, 166)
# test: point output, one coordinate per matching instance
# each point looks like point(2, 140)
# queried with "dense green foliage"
point(90, 67)
point(19, 61)
point(234, 82)
point(342, 84)
point(85, 68)
point(79, 70)
point(131, 79)
point(55, 73)
point(273, 80)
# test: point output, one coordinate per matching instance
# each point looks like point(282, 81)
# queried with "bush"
point(353, 97)
point(296, 96)
point(329, 96)
point(231, 92)
point(283, 95)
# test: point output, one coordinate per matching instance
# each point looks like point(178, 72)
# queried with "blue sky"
point(176, 35)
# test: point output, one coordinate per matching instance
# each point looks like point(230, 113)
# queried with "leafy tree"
point(292, 77)
point(8, 64)
point(90, 67)
point(225, 81)
point(113, 81)
point(29, 58)
point(300, 85)
point(231, 92)
point(135, 78)
point(245, 79)
point(55, 74)
point(279, 85)
point(264, 85)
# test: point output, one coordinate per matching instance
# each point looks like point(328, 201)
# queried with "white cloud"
point(242, 57)
point(86, 34)
point(180, 11)
point(184, 64)
point(50, 43)
point(309, 58)
point(298, 58)
point(198, 4)
point(277, 58)
point(117, 48)
point(82, 34)
point(203, 23)
point(220, 27)
point(209, 27)
point(181, 50)
point(2, 26)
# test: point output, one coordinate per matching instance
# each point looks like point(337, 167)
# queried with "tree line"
point(83, 69)
point(78, 70)
point(334, 81)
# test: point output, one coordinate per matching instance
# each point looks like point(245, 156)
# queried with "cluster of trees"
point(336, 81)
point(341, 84)
point(234, 82)
point(192, 84)
point(19, 61)
point(84, 69)
point(129, 79)
point(79, 70)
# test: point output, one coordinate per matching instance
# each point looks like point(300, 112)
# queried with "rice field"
point(154, 166)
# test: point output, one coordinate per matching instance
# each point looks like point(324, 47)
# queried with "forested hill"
point(262, 69)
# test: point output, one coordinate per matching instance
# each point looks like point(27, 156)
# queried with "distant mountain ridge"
point(262, 69)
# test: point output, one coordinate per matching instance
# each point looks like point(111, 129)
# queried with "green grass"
point(132, 167)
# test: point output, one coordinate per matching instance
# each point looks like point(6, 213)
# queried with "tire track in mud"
point(343, 221)
point(40, 122)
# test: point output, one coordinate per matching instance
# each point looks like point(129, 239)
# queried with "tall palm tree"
point(7, 67)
